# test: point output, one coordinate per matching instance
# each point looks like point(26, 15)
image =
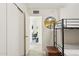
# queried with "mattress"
point(71, 50)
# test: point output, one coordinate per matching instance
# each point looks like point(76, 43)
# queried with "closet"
point(11, 30)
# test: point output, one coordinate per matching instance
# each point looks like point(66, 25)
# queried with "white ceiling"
point(46, 5)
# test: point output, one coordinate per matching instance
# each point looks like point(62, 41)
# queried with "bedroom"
point(11, 25)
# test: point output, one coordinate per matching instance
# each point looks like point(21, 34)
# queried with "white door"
point(15, 31)
point(2, 29)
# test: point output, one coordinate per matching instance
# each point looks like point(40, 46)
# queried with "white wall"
point(47, 34)
point(2, 29)
point(71, 11)
point(72, 36)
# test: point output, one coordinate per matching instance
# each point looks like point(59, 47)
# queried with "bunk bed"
point(61, 26)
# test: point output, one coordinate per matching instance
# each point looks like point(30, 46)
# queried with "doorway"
point(35, 35)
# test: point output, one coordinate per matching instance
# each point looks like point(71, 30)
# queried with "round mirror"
point(49, 22)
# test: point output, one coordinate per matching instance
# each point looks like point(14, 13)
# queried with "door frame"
point(24, 26)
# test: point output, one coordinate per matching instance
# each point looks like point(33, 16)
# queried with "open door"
point(15, 31)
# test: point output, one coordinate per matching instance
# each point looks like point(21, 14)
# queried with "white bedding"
point(71, 50)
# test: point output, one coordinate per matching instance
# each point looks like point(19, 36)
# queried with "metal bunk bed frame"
point(62, 31)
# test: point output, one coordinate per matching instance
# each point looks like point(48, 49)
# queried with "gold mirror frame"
point(49, 22)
